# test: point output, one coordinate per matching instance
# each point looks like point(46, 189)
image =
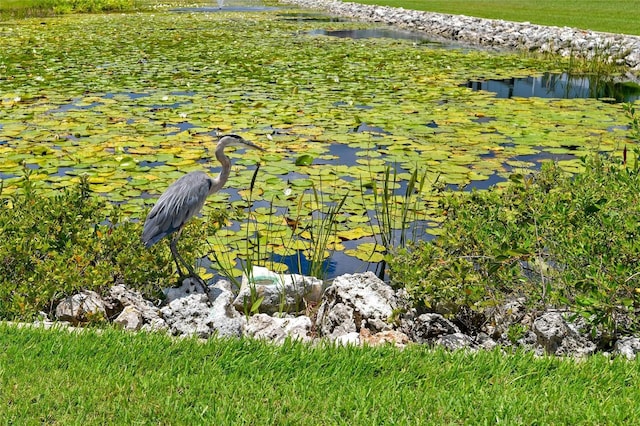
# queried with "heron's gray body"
point(179, 203)
point(185, 198)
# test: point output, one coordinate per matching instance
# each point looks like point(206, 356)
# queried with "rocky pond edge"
point(495, 33)
point(355, 309)
point(359, 309)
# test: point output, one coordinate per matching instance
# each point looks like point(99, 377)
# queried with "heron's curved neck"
point(219, 181)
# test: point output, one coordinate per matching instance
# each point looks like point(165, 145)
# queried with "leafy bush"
point(556, 239)
point(55, 246)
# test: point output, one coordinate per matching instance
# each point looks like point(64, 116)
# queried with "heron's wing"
point(181, 201)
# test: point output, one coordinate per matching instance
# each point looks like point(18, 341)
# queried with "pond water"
point(311, 17)
point(228, 6)
point(216, 9)
point(548, 85)
point(391, 33)
point(339, 262)
point(561, 86)
point(135, 138)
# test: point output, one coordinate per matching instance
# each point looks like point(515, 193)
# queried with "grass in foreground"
point(615, 16)
point(57, 377)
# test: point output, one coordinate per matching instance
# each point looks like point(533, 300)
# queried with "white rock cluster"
point(356, 309)
point(623, 49)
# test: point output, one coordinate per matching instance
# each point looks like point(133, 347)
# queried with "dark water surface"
point(216, 9)
point(561, 86)
point(419, 38)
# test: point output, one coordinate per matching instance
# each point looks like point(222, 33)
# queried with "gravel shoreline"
point(565, 41)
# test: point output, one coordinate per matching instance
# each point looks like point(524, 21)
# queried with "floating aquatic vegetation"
point(138, 100)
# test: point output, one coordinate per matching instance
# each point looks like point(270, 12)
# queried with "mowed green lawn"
point(119, 378)
point(615, 16)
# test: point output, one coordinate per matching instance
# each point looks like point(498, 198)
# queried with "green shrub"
point(55, 246)
point(556, 239)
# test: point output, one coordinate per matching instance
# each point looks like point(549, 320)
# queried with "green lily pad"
point(304, 160)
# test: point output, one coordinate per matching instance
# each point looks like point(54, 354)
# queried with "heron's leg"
point(174, 253)
point(178, 259)
point(176, 256)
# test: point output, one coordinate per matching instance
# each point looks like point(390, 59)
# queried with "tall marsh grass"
point(396, 214)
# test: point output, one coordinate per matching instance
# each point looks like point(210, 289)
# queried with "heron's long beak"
point(252, 145)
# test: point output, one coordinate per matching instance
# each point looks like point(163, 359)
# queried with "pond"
point(223, 6)
point(390, 33)
point(342, 108)
point(223, 9)
point(562, 86)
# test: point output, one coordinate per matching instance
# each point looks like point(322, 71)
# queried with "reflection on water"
point(562, 86)
point(311, 17)
point(377, 130)
point(394, 34)
point(228, 6)
point(212, 9)
point(373, 33)
point(299, 264)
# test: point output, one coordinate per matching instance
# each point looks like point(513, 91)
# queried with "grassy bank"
point(122, 378)
point(616, 16)
point(34, 8)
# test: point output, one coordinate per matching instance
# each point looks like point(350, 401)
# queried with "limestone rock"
point(225, 319)
point(393, 337)
point(428, 327)
point(455, 341)
point(357, 301)
point(191, 312)
point(188, 316)
point(485, 342)
point(130, 318)
point(189, 286)
point(627, 347)
point(286, 293)
point(557, 337)
point(81, 307)
point(133, 311)
point(500, 318)
point(277, 330)
point(349, 339)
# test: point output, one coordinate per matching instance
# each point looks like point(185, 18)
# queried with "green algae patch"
point(134, 101)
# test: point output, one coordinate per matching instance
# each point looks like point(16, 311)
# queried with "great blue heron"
point(184, 198)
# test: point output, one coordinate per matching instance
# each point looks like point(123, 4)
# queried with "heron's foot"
point(182, 277)
point(202, 283)
point(199, 281)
